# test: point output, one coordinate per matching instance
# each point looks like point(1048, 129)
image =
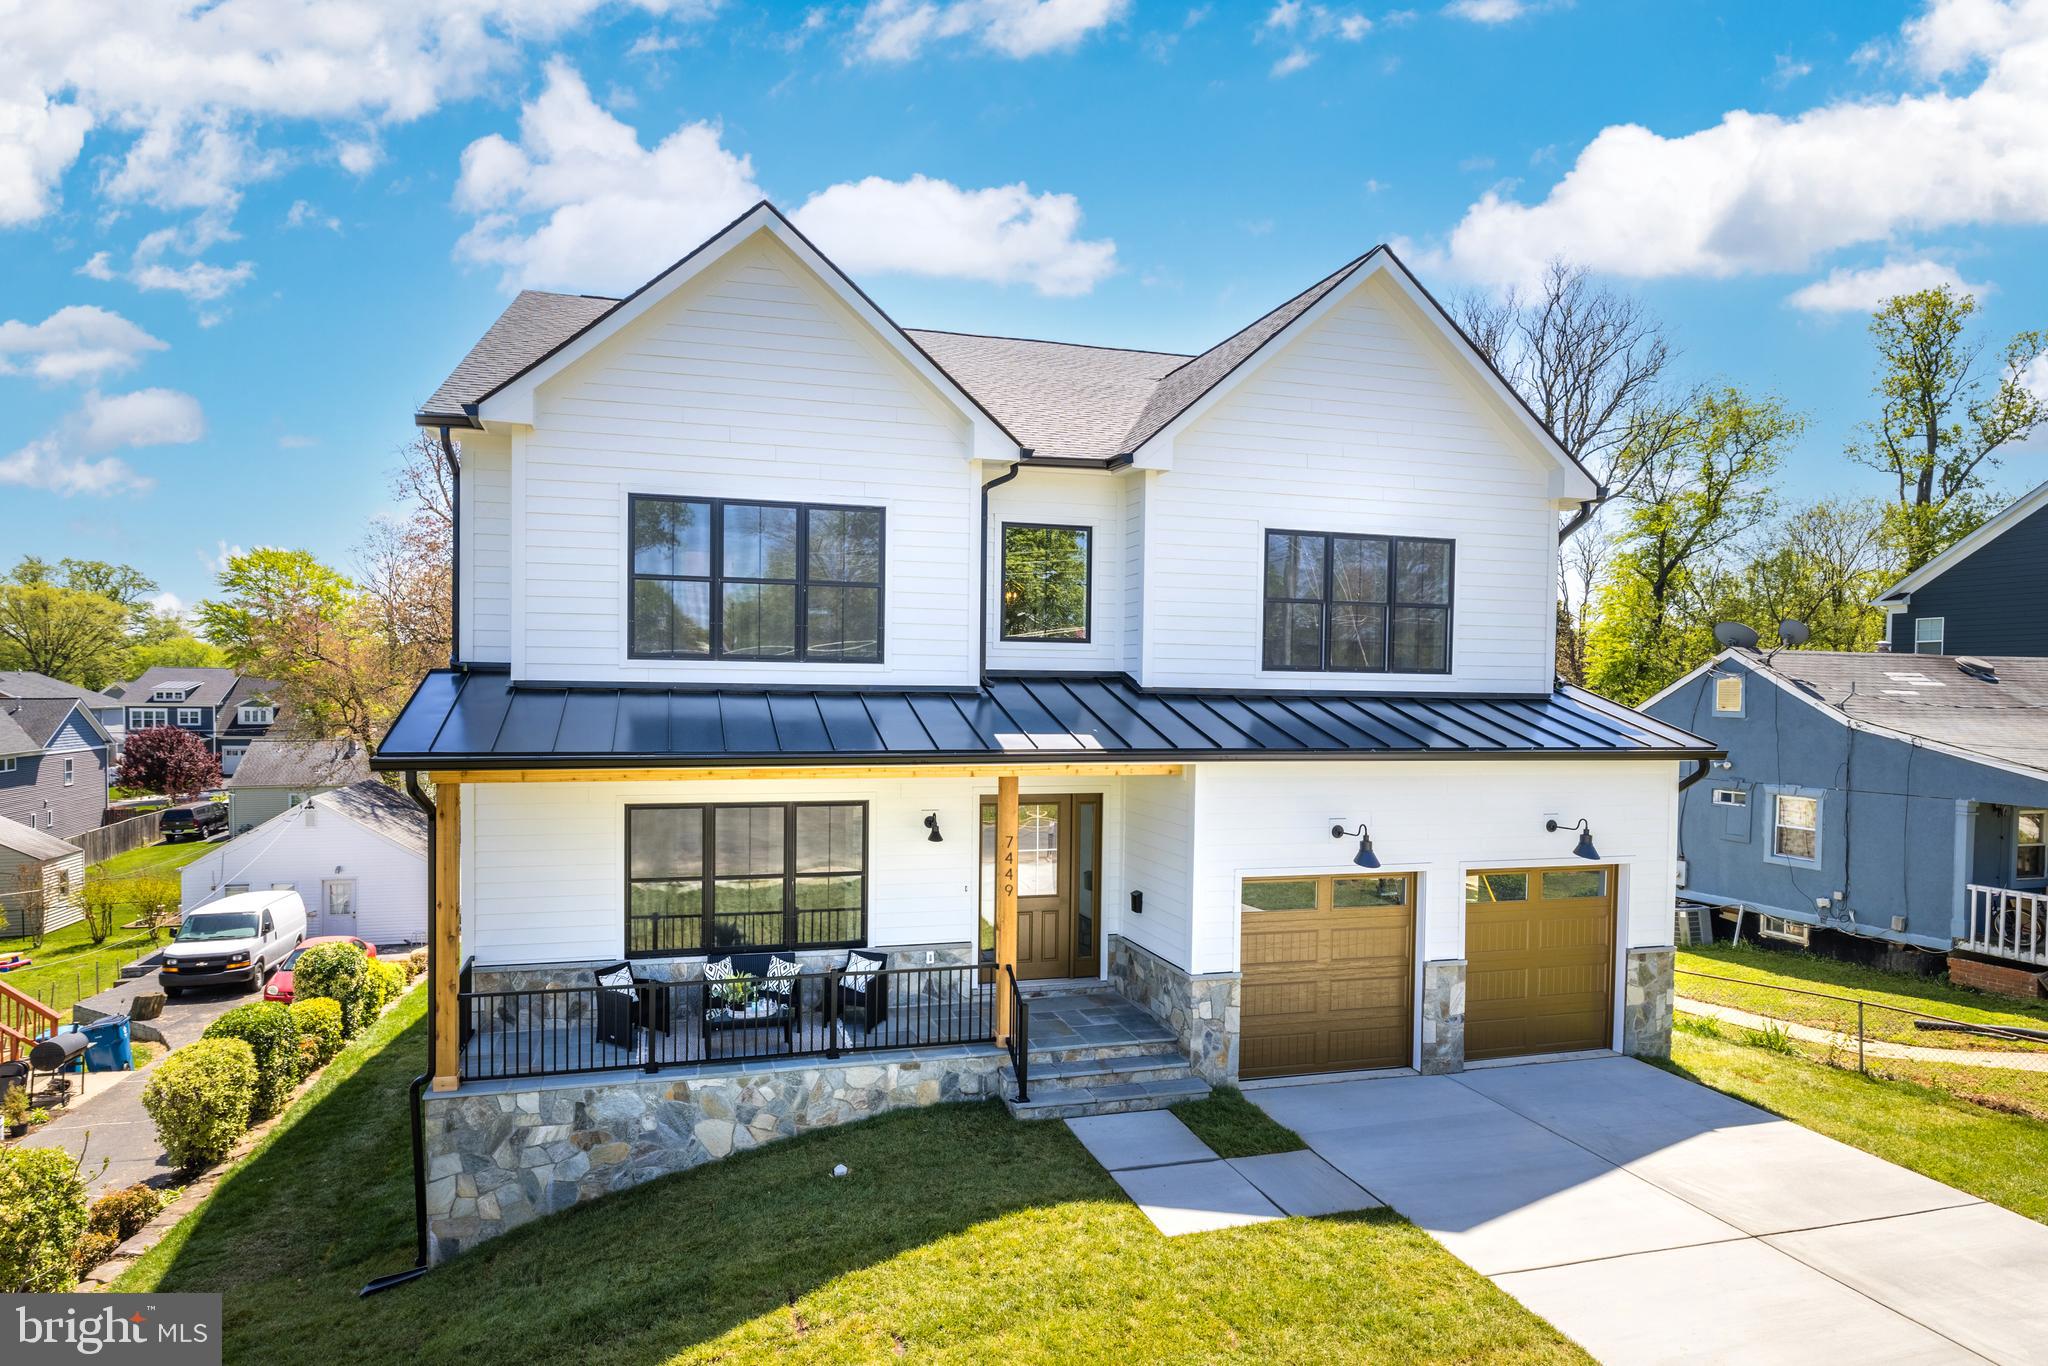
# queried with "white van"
point(237, 940)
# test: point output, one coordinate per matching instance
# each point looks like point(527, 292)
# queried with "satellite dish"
point(1735, 636)
point(1793, 633)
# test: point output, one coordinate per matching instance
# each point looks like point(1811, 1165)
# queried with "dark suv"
point(201, 820)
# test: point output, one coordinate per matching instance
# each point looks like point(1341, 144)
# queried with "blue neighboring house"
point(1901, 799)
point(228, 710)
point(53, 756)
point(1981, 596)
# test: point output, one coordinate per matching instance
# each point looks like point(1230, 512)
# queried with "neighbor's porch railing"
point(559, 1031)
point(2007, 924)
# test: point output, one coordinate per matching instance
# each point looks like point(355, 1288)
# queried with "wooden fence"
point(135, 832)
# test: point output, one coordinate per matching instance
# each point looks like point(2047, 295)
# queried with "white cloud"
point(196, 280)
point(98, 267)
point(1304, 26)
point(73, 458)
point(292, 441)
point(39, 138)
point(305, 215)
point(650, 44)
point(579, 202)
point(1299, 59)
point(80, 342)
point(1487, 11)
point(167, 604)
point(217, 562)
point(1759, 193)
point(900, 30)
point(1849, 290)
point(357, 156)
point(1786, 69)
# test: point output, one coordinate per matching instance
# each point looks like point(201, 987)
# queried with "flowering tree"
point(168, 760)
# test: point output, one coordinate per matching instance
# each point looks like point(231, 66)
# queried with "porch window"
point(1046, 583)
point(1357, 604)
point(2031, 848)
point(1795, 827)
point(758, 581)
point(719, 879)
point(1929, 634)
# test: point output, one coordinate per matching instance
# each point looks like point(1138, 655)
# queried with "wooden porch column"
point(447, 932)
point(1006, 899)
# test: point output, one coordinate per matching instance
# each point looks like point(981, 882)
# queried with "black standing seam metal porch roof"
point(481, 719)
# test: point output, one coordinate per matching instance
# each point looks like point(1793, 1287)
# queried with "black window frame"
point(1328, 601)
point(1087, 636)
point(709, 879)
point(715, 578)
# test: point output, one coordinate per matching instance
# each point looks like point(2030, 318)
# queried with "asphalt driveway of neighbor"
point(1655, 1220)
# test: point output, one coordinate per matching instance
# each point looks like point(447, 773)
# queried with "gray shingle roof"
point(301, 764)
point(19, 839)
point(38, 717)
point(533, 324)
point(20, 683)
point(1058, 398)
point(213, 686)
point(1927, 696)
point(390, 813)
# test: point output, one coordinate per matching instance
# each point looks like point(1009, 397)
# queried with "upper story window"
point(2031, 847)
point(145, 717)
point(1046, 586)
point(188, 716)
point(1928, 635)
point(6, 765)
point(763, 581)
point(1728, 696)
point(168, 695)
point(70, 771)
point(1357, 604)
point(257, 716)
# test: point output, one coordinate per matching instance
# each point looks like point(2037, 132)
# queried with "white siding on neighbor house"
point(486, 547)
point(1089, 498)
point(60, 880)
point(1365, 423)
point(391, 880)
point(1439, 819)
point(753, 381)
point(544, 863)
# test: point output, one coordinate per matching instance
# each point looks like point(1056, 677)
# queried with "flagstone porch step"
point(1158, 1065)
point(1056, 1100)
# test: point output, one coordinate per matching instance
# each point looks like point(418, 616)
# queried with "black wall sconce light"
point(931, 823)
point(1365, 857)
point(1584, 848)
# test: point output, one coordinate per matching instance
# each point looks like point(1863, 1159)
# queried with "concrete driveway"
point(1654, 1220)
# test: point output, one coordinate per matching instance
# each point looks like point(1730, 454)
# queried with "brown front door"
point(1539, 956)
point(1059, 879)
point(1328, 966)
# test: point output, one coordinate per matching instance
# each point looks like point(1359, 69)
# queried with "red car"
point(279, 987)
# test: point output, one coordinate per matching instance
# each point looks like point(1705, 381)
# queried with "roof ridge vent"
point(1977, 668)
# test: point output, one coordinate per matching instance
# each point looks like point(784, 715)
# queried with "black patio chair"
point(626, 1003)
point(864, 991)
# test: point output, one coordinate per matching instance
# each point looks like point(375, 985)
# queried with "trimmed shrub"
point(199, 1097)
point(309, 1057)
point(122, 1213)
point(91, 1250)
point(319, 1020)
point(415, 964)
point(267, 1027)
point(387, 980)
point(42, 1219)
point(337, 972)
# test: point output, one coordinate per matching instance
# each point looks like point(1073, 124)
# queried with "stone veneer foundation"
point(1200, 1008)
point(502, 1152)
point(1443, 1016)
point(1651, 990)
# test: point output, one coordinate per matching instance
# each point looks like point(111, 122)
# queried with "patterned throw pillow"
point(619, 978)
point(728, 987)
point(782, 975)
point(860, 971)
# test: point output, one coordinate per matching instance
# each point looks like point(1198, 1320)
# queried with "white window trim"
point(2019, 815)
point(1741, 694)
point(1731, 796)
point(70, 771)
point(1771, 854)
point(256, 716)
point(6, 765)
point(143, 718)
point(168, 695)
point(191, 716)
point(1921, 638)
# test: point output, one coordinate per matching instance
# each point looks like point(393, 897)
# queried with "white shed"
point(357, 855)
point(38, 871)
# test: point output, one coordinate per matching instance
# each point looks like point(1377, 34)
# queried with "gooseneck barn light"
point(1584, 848)
point(1364, 858)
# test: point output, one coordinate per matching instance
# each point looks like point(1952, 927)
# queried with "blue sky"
point(241, 240)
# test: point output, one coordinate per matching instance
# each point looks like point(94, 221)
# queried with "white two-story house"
point(1212, 692)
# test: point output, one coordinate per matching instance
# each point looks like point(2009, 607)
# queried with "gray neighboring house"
point(1893, 798)
point(1981, 596)
point(230, 711)
point(53, 761)
point(276, 775)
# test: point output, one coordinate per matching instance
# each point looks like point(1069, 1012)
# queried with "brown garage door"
point(1328, 974)
point(1539, 955)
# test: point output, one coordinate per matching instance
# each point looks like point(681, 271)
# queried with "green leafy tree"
point(268, 598)
point(1823, 565)
point(1693, 501)
point(1943, 416)
point(162, 639)
point(49, 629)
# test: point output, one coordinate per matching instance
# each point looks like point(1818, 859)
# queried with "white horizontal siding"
point(391, 880)
point(1088, 498)
point(487, 548)
point(1158, 833)
point(752, 382)
point(1363, 424)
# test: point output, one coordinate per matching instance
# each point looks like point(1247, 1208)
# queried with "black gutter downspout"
point(420, 1265)
point(1701, 767)
point(981, 618)
point(454, 549)
point(1582, 516)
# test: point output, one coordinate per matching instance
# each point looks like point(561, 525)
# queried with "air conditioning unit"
point(1790, 931)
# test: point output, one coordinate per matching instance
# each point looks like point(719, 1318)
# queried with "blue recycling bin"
point(107, 1046)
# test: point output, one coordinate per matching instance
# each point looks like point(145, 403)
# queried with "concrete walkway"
point(1655, 1220)
point(1873, 1048)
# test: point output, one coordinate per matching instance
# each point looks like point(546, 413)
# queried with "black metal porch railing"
point(559, 1031)
point(1019, 1042)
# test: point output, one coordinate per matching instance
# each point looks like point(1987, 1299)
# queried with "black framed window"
point(1047, 582)
point(745, 878)
point(759, 581)
point(1336, 603)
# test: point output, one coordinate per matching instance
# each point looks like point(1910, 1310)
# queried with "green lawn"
point(1770, 968)
point(960, 1235)
point(1987, 1153)
point(1234, 1127)
point(69, 966)
point(153, 858)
